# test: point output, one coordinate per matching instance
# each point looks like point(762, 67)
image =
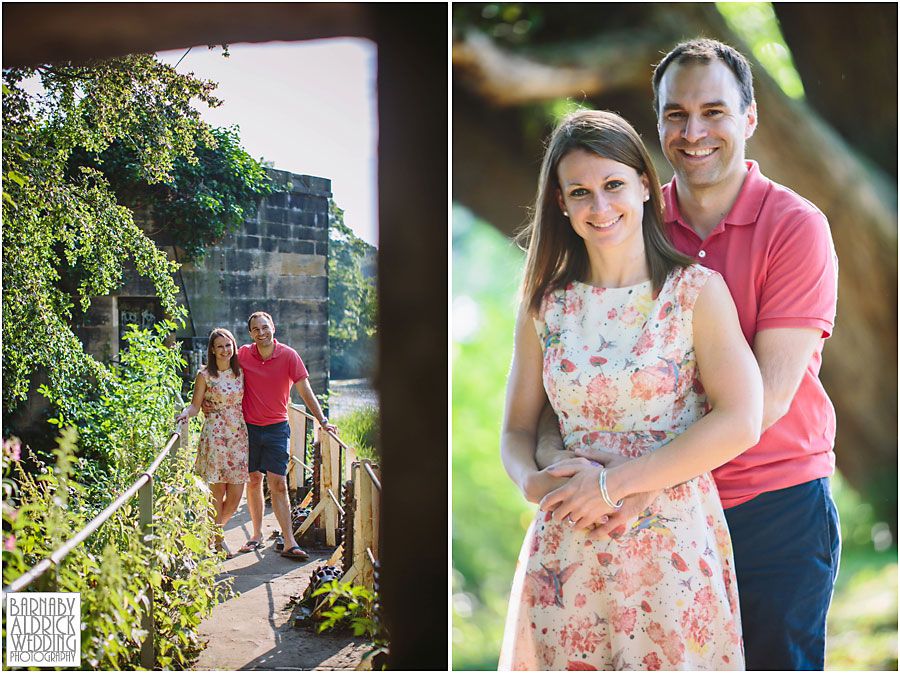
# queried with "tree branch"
point(584, 68)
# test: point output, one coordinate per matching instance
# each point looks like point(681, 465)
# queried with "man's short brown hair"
point(260, 314)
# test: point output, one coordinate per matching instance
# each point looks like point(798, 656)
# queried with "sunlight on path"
point(252, 631)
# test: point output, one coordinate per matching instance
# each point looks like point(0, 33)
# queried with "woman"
point(615, 327)
point(223, 448)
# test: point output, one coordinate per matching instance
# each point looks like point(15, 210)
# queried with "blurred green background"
point(490, 516)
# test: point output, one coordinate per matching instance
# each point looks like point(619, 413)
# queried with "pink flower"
point(12, 448)
point(623, 618)
point(651, 662)
point(9, 542)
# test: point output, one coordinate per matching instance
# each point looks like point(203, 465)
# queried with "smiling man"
point(775, 252)
point(270, 369)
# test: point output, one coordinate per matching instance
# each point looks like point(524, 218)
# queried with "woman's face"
point(223, 348)
point(604, 200)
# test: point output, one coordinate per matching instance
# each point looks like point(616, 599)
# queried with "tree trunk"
point(835, 85)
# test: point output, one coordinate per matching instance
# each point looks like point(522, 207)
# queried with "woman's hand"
point(578, 502)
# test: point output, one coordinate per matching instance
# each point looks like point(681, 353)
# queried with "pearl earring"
point(566, 213)
point(647, 197)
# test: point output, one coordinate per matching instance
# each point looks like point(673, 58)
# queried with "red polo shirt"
point(267, 383)
point(775, 252)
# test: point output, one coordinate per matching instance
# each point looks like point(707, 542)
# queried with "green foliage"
point(489, 513)
point(114, 571)
point(351, 300)
point(513, 23)
point(862, 621)
point(348, 607)
point(59, 217)
point(757, 25)
point(359, 428)
point(122, 427)
point(203, 199)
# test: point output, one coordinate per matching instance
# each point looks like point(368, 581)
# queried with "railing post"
point(298, 439)
point(330, 475)
point(145, 498)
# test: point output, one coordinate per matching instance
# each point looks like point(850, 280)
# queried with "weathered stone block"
point(250, 227)
point(298, 247)
point(276, 215)
point(296, 287)
point(306, 233)
point(302, 265)
point(248, 241)
point(278, 230)
point(322, 248)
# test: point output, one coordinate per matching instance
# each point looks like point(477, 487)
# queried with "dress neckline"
point(612, 289)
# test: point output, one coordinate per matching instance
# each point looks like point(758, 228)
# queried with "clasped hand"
point(578, 500)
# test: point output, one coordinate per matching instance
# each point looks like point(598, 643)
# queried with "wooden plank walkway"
point(251, 631)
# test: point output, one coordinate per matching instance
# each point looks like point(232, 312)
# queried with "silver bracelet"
point(605, 495)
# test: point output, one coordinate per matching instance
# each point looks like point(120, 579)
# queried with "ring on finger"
point(569, 520)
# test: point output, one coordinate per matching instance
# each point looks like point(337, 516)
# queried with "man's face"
point(262, 331)
point(702, 129)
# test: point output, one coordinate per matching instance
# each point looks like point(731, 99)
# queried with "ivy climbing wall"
point(275, 262)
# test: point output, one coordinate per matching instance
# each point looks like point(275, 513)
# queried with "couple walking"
point(685, 515)
point(244, 394)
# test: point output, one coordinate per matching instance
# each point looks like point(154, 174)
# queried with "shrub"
point(126, 424)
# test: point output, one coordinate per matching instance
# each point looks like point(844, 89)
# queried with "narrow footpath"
point(252, 631)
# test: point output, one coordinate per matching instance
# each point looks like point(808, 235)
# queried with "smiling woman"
point(617, 356)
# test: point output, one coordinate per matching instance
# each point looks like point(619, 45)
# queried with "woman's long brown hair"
point(211, 365)
point(555, 254)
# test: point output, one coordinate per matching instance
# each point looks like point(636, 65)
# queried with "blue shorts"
point(786, 551)
point(269, 447)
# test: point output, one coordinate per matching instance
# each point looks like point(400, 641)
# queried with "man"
point(775, 252)
point(270, 368)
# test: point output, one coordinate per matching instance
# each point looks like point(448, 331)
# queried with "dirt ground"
point(252, 631)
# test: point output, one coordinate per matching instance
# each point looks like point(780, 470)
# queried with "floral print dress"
point(223, 448)
point(660, 591)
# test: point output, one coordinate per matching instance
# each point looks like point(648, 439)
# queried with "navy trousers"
point(786, 553)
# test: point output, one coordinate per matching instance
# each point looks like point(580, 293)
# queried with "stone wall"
point(276, 262)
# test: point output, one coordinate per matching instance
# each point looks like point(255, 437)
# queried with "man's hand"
point(633, 505)
point(540, 484)
point(606, 459)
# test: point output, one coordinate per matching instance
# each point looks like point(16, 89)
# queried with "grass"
point(359, 429)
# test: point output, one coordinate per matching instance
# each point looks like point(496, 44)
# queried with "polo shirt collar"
point(275, 353)
point(744, 210)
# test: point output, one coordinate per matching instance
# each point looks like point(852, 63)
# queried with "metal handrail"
point(297, 408)
point(54, 559)
point(372, 476)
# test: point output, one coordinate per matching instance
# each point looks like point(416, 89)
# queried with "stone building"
point(275, 262)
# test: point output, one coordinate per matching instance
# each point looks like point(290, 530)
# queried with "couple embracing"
point(244, 394)
point(682, 463)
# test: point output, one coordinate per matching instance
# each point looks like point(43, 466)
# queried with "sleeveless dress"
point(659, 592)
point(223, 448)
